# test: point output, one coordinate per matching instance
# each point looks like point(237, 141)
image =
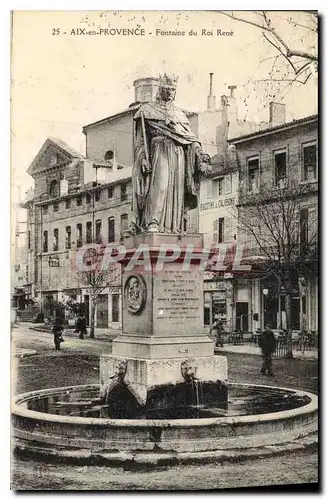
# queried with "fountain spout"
point(188, 372)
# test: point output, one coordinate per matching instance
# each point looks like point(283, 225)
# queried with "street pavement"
point(248, 349)
point(107, 334)
point(25, 336)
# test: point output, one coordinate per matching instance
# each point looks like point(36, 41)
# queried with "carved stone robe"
point(162, 135)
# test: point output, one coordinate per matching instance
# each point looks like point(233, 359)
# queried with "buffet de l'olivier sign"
point(228, 202)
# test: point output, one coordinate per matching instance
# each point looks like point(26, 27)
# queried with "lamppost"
point(265, 292)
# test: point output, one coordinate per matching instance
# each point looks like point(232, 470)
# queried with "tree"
point(97, 279)
point(300, 54)
point(274, 227)
point(290, 52)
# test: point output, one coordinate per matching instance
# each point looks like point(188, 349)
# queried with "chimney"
point(211, 97)
point(277, 114)
point(229, 106)
point(145, 89)
point(232, 88)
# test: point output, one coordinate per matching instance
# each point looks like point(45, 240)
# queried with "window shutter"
point(313, 224)
point(228, 184)
point(215, 231)
point(228, 229)
point(302, 165)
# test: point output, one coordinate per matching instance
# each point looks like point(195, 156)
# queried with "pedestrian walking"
point(83, 326)
point(57, 330)
point(217, 327)
point(267, 343)
point(78, 326)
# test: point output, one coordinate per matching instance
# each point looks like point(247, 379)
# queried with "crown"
point(168, 80)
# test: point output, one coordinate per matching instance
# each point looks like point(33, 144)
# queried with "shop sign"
point(215, 285)
point(212, 205)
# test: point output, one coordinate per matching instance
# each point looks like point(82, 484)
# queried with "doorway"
point(242, 316)
point(102, 311)
point(115, 308)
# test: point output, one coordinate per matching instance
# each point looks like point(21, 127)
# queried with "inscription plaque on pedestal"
point(178, 301)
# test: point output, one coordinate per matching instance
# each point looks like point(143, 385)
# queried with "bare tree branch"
point(269, 28)
point(279, 50)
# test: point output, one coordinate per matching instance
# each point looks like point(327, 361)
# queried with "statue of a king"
point(168, 162)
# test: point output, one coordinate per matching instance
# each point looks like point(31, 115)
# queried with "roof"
point(58, 143)
point(61, 144)
point(223, 163)
point(277, 128)
point(128, 111)
point(131, 110)
point(29, 196)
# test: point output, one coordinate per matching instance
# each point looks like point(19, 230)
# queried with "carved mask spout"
point(188, 372)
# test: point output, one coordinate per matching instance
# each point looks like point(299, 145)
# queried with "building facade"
point(281, 158)
point(77, 201)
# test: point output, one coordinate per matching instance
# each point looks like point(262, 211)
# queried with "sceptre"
point(147, 180)
point(144, 137)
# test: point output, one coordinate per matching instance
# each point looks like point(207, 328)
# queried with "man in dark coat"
point(57, 330)
point(267, 342)
point(83, 326)
point(78, 325)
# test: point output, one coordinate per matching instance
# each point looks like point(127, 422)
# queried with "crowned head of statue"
point(167, 87)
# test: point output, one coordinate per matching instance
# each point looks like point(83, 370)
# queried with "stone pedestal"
point(162, 319)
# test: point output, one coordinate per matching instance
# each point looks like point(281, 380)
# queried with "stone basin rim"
point(18, 410)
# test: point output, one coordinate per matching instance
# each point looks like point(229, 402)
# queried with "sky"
point(59, 83)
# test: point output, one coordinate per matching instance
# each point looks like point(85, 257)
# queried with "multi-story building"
point(76, 201)
point(217, 208)
point(276, 158)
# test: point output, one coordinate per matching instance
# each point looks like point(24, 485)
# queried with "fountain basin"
point(91, 438)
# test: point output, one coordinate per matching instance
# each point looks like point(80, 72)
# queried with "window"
point(45, 209)
point(218, 230)
point(124, 222)
point(79, 201)
point(218, 187)
point(111, 230)
point(221, 230)
point(115, 307)
point(280, 163)
point(253, 174)
point(56, 240)
point(304, 227)
point(124, 195)
point(88, 198)
point(56, 207)
point(68, 203)
point(78, 235)
point(97, 195)
point(68, 238)
point(29, 240)
point(45, 241)
point(98, 231)
point(109, 155)
point(110, 192)
point(54, 189)
point(89, 232)
point(309, 162)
